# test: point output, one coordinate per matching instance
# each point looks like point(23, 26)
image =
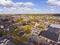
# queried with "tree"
point(24, 28)
point(28, 31)
point(24, 38)
point(15, 32)
point(1, 31)
point(17, 37)
point(43, 27)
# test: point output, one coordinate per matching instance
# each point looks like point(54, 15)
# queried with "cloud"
point(11, 3)
point(29, 4)
point(6, 2)
point(21, 10)
point(10, 7)
point(54, 2)
point(53, 5)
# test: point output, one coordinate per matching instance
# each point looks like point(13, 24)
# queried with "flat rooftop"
point(55, 25)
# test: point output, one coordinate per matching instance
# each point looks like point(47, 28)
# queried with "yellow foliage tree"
point(24, 28)
point(43, 27)
point(24, 38)
point(28, 31)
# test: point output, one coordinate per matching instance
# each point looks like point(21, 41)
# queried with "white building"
point(36, 24)
point(1, 26)
point(55, 25)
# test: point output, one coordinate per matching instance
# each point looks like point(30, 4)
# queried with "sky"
point(29, 6)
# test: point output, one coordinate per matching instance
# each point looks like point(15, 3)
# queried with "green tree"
point(15, 32)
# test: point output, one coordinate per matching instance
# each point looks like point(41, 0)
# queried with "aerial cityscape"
point(29, 22)
point(29, 29)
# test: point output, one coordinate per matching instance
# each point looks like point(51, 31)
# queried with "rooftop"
point(55, 25)
point(50, 35)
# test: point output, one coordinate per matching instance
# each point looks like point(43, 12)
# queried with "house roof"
point(21, 33)
point(1, 34)
point(52, 29)
point(50, 35)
